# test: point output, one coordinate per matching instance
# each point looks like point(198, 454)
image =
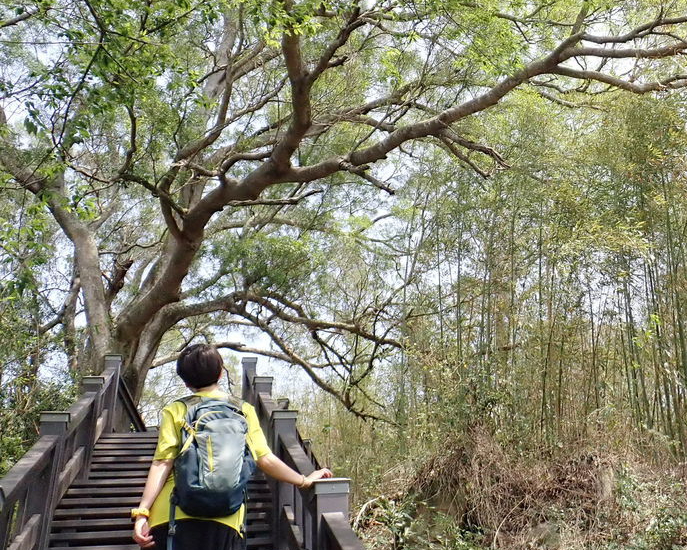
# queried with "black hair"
point(199, 365)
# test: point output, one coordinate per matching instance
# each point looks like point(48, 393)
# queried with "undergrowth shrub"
point(20, 414)
point(478, 494)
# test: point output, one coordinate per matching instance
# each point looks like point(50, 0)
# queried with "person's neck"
point(211, 387)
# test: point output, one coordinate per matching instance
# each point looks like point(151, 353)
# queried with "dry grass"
point(588, 500)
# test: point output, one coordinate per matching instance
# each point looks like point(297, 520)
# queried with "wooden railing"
point(312, 519)
point(31, 490)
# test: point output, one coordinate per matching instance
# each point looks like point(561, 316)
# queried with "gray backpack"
point(214, 464)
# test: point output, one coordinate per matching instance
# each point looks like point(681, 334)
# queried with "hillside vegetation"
point(458, 231)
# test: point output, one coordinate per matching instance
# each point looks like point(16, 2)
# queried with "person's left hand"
point(142, 534)
point(317, 474)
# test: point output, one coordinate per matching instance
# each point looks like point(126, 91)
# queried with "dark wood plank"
point(129, 436)
point(259, 541)
point(256, 516)
point(112, 512)
point(92, 524)
point(98, 501)
point(115, 475)
point(121, 447)
point(109, 459)
point(146, 452)
point(114, 482)
point(115, 466)
point(257, 528)
point(94, 491)
point(99, 536)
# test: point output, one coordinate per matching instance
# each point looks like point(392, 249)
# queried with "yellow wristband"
point(136, 512)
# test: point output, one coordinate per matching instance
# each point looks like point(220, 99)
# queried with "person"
point(200, 367)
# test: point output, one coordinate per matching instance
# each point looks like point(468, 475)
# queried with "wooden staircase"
point(94, 512)
point(74, 488)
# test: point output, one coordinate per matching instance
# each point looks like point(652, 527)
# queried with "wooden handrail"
point(30, 491)
point(337, 533)
point(129, 417)
point(312, 519)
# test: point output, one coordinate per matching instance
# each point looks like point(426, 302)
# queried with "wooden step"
point(259, 541)
point(256, 516)
point(114, 482)
point(129, 435)
point(98, 501)
point(258, 483)
point(110, 512)
point(93, 524)
point(256, 494)
point(259, 506)
point(118, 447)
point(115, 467)
point(257, 528)
point(96, 490)
point(94, 513)
point(122, 452)
point(115, 475)
point(125, 445)
point(100, 536)
point(104, 443)
point(108, 459)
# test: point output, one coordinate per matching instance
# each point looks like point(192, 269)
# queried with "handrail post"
point(311, 519)
point(282, 423)
point(249, 365)
point(328, 495)
point(262, 384)
point(55, 423)
point(30, 491)
point(92, 384)
point(110, 397)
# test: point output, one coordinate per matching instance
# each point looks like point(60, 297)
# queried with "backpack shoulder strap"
point(236, 403)
point(191, 402)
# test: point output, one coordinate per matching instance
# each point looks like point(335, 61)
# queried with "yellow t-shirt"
point(169, 443)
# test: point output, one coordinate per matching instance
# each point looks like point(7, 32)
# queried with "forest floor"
point(482, 496)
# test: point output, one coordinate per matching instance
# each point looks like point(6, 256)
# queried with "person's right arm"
point(271, 464)
point(274, 467)
point(157, 475)
point(163, 461)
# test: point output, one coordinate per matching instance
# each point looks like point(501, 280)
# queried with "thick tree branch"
point(362, 172)
point(449, 146)
point(672, 83)
point(474, 146)
point(69, 304)
point(354, 22)
point(292, 357)
point(18, 19)
point(129, 155)
point(277, 202)
point(436, 125)
point(626, 53)
point(638, 32)
point(318, 324)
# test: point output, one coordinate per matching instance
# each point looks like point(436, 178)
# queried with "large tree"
point(206, 159)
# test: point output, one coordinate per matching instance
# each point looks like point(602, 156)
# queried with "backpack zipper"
point(211, 462)
point(195, 424)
